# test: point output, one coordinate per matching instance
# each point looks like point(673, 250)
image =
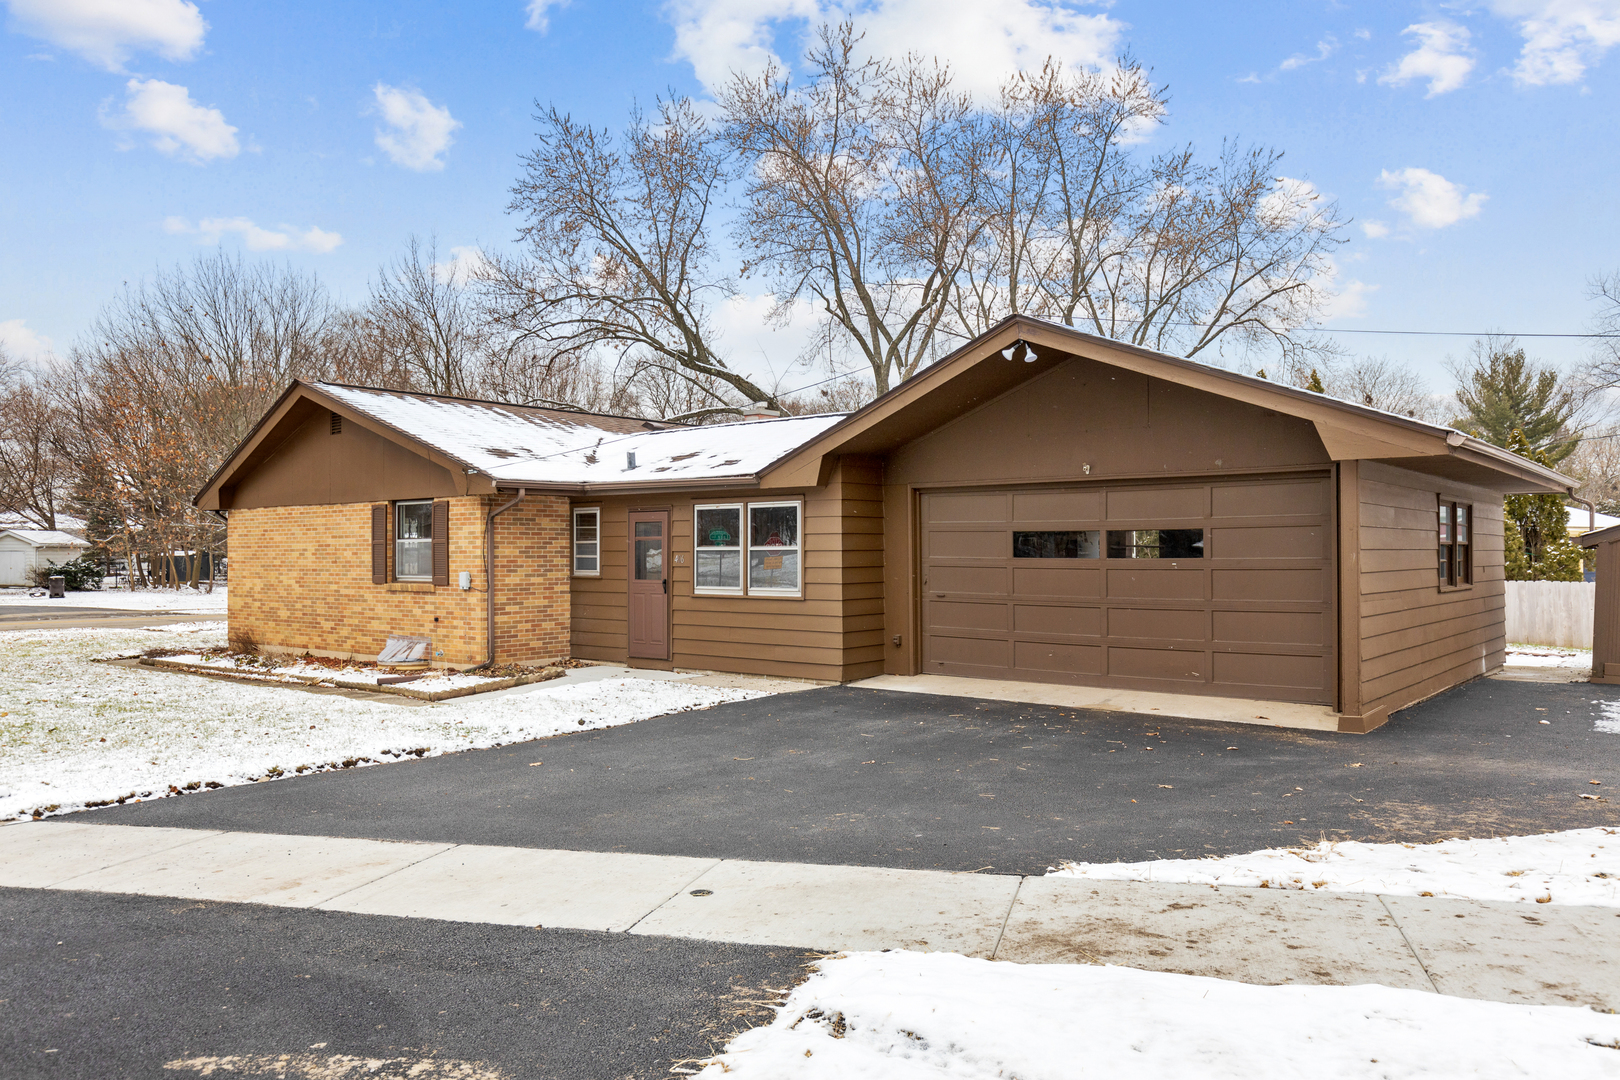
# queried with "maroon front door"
point(649, 585)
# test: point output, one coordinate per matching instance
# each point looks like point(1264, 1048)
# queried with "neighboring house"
point(21, 550)
point(1581, 522)
point(1075, 510)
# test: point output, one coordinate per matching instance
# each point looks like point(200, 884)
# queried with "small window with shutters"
point(413, 540)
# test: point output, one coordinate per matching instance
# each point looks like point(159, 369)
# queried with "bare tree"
point(1380, 383)
point(33, 474)
point(617, 260)
point(1605, 362)
point(427, 322)
point(864, 194)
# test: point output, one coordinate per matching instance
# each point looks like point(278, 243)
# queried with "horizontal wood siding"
point(834, 632)
point(1416, 639)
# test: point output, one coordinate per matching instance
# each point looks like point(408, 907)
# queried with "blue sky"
point(1475, 146)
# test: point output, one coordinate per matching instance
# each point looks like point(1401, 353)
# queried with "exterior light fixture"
point(1021, 350)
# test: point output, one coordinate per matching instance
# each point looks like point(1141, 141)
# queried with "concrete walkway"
point(1283, 714)
point(1503, 952)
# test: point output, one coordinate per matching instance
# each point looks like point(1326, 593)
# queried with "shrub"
point(82, 574)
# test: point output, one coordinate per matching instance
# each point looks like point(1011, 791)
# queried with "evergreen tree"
point(1502, 392)
point(1536, 540)
point(1315, 383)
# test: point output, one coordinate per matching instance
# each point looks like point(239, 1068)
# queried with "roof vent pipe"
point(629, 460)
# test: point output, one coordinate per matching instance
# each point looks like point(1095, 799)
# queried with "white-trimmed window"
point(717, 541)
point(588, 542)
point(773, 548)
point(413, 540)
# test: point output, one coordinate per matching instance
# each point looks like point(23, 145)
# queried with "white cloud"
point(539, 13)
point(1374, 230)
point(1561, 37)
point(1324, 49)
point(177, 124)
point(21, 342)
point(255, 237)
point(1429, 199)
point(1347, 300)
point(106, 32)
point(465, 263)
point(1443, 57)
point(982, 42)
point(417, 132)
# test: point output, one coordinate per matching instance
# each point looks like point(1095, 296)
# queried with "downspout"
point(489, 573)
point(1591, 511)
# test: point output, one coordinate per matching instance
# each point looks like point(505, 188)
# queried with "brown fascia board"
point(1602, 536)
point(1355, 431)
point(472, 482)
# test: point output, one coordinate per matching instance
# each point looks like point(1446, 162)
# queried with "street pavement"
point(106, 987)
point(876, 778)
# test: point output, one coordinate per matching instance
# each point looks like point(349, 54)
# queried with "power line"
point(1453, 333)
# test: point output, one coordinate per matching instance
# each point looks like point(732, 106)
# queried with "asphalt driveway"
point(878, 778)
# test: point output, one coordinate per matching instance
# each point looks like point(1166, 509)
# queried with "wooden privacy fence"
point(1551, 613)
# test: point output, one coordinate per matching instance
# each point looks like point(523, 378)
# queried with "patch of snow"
point(1581, 866)
point(931, 1016)
point(1548, 656)
point(512, 445)
point(1609, 722)
point(73, 731)
point(184, 600)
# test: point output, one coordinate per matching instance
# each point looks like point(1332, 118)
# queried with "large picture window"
point(773, 547)
point(717, 540)
point(1456, 532)
point(588, 542)
point(413, 540)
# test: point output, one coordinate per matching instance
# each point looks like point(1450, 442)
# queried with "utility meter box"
point(466, 580)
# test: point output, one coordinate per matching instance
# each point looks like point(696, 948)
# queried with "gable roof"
point(489, 444)
point(486, 445)
point(45, 537)
point(977, 372)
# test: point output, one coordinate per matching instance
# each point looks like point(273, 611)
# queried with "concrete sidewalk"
point(1544, 954)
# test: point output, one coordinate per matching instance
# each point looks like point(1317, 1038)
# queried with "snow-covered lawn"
point(1581, 866)
point(928, 1016)
point(1549, 656)
point(182, 600)
point(74, 732)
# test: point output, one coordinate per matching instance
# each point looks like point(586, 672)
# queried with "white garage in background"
point(23, 549)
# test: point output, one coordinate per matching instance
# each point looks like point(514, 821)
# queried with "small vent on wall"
point(337, 424)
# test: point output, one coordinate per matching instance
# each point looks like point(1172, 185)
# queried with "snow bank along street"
point(1581, 866)
point(183, 600)
point(913, 1016)
point(76, 733)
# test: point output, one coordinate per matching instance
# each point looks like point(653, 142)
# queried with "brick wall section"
point(301, 581)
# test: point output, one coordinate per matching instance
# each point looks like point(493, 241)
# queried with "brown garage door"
point(1222, 587)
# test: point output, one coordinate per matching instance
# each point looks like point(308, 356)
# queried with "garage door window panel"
point(1071, 544)
point(1155, 543)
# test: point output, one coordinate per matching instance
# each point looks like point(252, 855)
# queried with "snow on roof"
point(46, 537)
point(1578, 519)
point(513, 445)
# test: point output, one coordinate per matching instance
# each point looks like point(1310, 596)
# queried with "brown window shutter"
point(441, 543)
point(379, 545)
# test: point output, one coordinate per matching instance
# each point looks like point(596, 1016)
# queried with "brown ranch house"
point(1040, 505)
